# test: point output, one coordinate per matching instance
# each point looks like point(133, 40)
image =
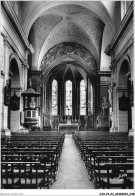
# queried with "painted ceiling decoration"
point(95, 25)
point(70, 49)
point(68, 30)
point(43, 26)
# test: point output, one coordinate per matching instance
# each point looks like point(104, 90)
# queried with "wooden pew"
point(99, 167)
point(113, 177)
point(20, 149)
point(24, 175)
point(50, 158)
point(89, 153)
point(104, 153)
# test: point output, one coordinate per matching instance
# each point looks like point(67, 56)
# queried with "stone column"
point(63, 99)
point(95, 105)
point(114, 127)
point(1, 74)
point(24, 77)
point(25, 68)
point(42, 107)
point(44, 102)
point(86, 116)
point(90, 104)
point(5, 129)
point(78, 98)
point(73, 100)
point(59, 98)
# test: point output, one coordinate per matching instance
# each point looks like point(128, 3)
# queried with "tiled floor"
point(72, 173)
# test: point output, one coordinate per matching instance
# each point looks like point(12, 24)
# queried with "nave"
point(54, 160)
point(72, 173)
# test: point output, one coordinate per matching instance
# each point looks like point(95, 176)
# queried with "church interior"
point(67, 106)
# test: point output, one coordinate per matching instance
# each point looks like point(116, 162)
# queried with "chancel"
point(67, 108)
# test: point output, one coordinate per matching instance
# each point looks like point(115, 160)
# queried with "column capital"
point(25, 65)
point(7, 42)
point(113, 64)
point(108, 51)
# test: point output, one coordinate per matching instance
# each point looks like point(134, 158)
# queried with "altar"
point(69, 126)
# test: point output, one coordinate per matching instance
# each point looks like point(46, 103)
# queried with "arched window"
point(54, 97)
point(68, 97)
point(82, 98)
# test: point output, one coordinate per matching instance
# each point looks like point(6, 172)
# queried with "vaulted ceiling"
point(91, 24)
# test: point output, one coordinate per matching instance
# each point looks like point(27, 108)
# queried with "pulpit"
point(30, 108)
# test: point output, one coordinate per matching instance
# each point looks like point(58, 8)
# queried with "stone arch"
point(125, 58)
point(15, 56)
point(124, 107)
point(15, 91)
point(57, 61)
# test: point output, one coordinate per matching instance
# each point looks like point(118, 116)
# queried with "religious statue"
point(7, 94)
point(32, 103)
point(104, 108)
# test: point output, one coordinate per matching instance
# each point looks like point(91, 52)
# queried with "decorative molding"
point(121, 89)
point(7, 42)
point(125, 22)
point(108, 50)
point(17, 89)
point(113, 64)
point(127, 47)
point(70, 49)
point(15, 21)
point(25, 65)
point(105, 79)
point(104, 73)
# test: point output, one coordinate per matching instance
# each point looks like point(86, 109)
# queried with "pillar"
point(63, 99)
point(2, 74)
point(114, 127)
point(59, 98)
point(86, 116)
point(73, 99)
point(5, 129)
point(78, 98)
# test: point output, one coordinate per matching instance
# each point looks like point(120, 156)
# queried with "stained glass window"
point(68, 97)
point(54, 97)
point(82, 98)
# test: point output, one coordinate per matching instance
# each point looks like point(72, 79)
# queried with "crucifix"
point(68, 111)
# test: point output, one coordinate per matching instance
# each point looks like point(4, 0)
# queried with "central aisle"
point(72, 173)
